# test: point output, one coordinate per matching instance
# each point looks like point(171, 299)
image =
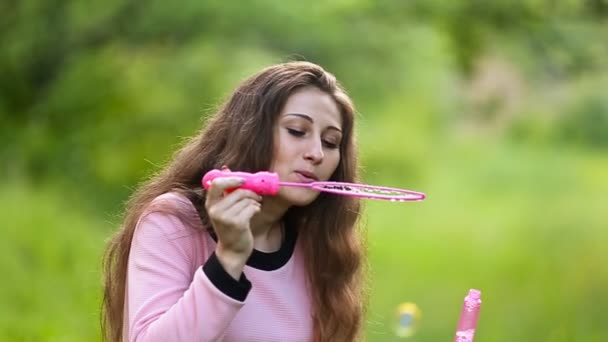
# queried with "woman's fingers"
point(221, 184)
point(250, 210)
point(237, 219)
point(225, 202)
point(236, 211)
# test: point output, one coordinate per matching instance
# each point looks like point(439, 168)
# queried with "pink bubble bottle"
point(468, 317)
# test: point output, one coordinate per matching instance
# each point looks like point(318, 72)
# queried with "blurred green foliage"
point(497, 110)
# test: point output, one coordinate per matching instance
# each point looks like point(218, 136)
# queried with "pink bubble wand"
point(268, 183)
point(468, 317)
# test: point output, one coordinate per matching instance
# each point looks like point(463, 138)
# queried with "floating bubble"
point(407, 319)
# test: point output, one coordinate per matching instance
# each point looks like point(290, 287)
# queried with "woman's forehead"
point(314, 105)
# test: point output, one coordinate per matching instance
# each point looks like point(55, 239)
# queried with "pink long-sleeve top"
point(178, 291)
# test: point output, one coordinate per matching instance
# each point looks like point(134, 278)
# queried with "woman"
point(196, 265)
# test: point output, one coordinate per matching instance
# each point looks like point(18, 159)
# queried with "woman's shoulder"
point(172, 212)
point(171, 225)
point(172, 198)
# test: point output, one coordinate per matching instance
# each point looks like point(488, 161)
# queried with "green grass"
point(51, 267)
point(525, 226)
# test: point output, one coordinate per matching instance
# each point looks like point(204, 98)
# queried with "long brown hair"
point(333, 242)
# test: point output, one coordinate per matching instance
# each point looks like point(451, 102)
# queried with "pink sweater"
point(178, 291)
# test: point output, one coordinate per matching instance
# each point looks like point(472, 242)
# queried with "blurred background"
point(498, 110)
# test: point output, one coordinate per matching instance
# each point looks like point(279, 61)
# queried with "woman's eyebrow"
point(310, 119)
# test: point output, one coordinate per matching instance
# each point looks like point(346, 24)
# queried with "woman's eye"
point(295, 132)
point(330, 144)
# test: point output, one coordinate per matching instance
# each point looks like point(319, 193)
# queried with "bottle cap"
point(474, 294)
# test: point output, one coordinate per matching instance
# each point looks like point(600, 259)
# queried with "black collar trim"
point(274, 260)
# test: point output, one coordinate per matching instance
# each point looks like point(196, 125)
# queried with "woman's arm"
point(166, 302)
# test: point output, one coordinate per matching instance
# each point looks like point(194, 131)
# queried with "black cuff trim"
point(224, 282)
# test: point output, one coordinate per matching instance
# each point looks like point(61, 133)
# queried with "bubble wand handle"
point(262, 183)
point(468, 317)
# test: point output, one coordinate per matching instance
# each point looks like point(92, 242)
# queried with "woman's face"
point(307, 138)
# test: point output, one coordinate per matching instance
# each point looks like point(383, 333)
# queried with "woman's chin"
point(299, 197)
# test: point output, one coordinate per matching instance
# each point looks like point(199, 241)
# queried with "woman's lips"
point(306, 177)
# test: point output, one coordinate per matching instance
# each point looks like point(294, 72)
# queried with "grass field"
point(525, 226)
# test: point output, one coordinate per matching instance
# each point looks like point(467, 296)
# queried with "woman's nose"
point(314, 153)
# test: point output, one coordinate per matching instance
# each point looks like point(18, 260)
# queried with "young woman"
point(221, 265)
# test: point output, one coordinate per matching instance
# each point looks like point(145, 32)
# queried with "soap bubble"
point(407, 319)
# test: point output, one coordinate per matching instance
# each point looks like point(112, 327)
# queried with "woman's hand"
point(230, 215)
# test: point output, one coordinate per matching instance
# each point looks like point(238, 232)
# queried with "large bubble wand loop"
point(268, 183)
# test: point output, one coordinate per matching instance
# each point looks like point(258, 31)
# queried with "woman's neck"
point(267, 225)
